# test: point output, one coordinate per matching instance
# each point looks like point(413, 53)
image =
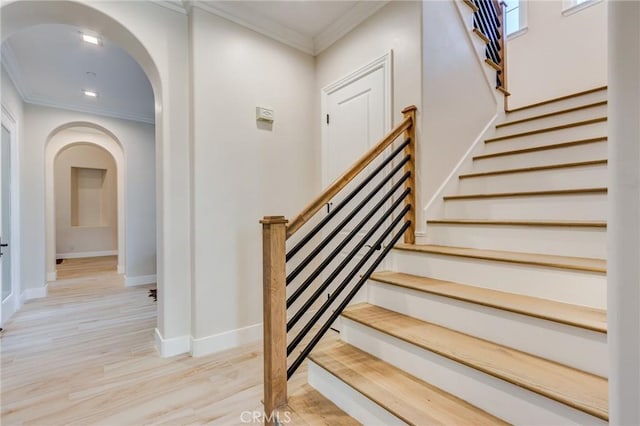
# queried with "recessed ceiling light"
point(90, 93)
point(91, 39)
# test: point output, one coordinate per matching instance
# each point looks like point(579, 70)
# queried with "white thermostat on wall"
point(264, 114)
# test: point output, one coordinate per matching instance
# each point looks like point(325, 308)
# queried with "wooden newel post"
point(274, 237)
point(410, 133)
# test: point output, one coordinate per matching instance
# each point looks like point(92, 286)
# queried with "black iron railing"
point(489, 19)
point(337, 254)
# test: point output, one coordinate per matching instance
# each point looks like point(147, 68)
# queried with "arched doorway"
point(61, 139)
point(155, 39)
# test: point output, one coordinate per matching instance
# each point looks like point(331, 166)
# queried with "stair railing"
point(378, 202)
point(490, 19)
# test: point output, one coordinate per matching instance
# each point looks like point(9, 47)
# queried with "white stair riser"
point(582, 349)
point(557, 136)
point(561, 241)
point(572, 154)
point(541, 207)
point(498, 397)
point(592, 176)
point(557, 106)
point(569, 286)
point(348, 399)
point(554, 120)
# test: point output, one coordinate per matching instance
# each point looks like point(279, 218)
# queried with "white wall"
point(102, 237)
point(623, 231)
point(138, 143)
point(458, 100)
point(394, 27)
point(558, 55)
point(243, 170)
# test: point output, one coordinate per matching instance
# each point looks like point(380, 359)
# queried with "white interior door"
point(9, 297)
point(356, 116)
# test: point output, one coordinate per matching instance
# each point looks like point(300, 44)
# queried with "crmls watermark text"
point(259, 417)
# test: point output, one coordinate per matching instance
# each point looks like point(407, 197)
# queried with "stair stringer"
point(435, 206)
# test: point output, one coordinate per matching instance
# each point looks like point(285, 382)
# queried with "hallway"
point(85, 355)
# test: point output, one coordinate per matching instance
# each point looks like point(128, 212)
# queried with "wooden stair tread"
point(307, 406)
point(578, 316)
point(473, 7)
point(542, 148)
point(527, 193)
point(561, 98)
point(550, 223)
point(493, 64)
point(503, 90)
point(481, 35)
point(547, 260)
point(550, 114)
point(406, 397)
point(535, 168)
point(575, 388)
point(547, 129)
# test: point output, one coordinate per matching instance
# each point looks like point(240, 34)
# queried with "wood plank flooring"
point(85, 355)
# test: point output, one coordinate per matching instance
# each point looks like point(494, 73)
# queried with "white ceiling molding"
point(10, 65)
point(175, 5)
point(12, 68)
point(93, 110)
point(347, 22)
point(241, 15)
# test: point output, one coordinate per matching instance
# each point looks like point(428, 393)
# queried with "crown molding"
point(175, 5)
point(347, 22)
point(40, 101)
point(10, 65)
point(241, 15)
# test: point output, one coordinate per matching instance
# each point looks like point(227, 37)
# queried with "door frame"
point(15, 299)
point(384, 62)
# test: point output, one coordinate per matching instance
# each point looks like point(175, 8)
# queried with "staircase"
point(499, 316)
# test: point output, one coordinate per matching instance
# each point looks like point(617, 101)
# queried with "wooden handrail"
point(274, 258)
point(326, 196)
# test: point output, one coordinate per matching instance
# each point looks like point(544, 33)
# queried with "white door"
point(356, 116)
point(9, 297)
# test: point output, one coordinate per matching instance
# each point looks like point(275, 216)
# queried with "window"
point(569, 7)
point(516, 17)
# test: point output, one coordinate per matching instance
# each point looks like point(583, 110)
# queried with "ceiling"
point(51, 64)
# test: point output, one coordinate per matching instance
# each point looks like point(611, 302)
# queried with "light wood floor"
point(85, 356)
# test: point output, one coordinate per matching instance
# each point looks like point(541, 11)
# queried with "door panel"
point(356, 121)
point(5, 212)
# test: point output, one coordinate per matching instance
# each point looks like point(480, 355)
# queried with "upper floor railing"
point(490, 19)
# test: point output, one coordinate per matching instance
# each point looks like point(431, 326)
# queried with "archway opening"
point(20, 16)
point(85, 201)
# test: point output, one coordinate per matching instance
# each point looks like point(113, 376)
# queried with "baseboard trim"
point(173, 346)
point(140, 280)
point(52, 276)
point(227, 340)
point(86, 254)
point(34, 293)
